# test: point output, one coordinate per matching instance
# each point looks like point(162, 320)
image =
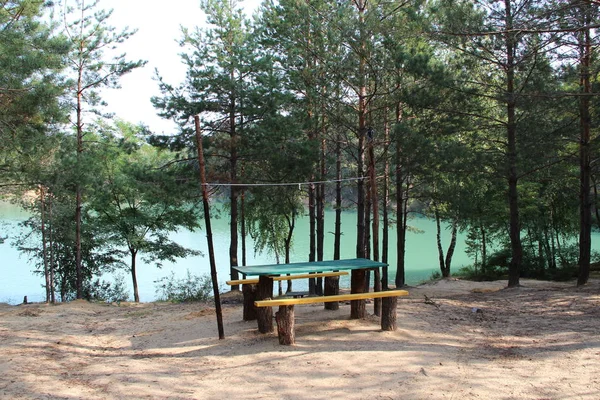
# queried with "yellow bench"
point(285, 316)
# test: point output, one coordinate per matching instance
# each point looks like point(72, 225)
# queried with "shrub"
point(107, 291)
point(189, 288)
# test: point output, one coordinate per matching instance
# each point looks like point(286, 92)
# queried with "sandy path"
point(469, 340)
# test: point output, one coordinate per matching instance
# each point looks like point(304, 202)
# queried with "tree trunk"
point(288, 244)
point(265, 314)
point(285, 325)
point(209, 236)
point(362, 130)
point(52, 290)
point(44, 244)
point(512, 176)
point(321, 214)
point(78, 189)
point(585, 204)
point(401, 204)
point(249, 291)
point(385, 203)
point(358, 308)
point(243, 226)
point(338, 199)
point(311, 233)
point(332, 287)
point(389, 315)
point(438, 237)
point(136, 295)
point(483, 249)
point(375, 224)
point(451, 247)
point(233, 149)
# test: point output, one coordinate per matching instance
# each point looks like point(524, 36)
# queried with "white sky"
point(158, 25)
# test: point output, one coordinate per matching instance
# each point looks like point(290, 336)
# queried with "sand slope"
point(468, 340)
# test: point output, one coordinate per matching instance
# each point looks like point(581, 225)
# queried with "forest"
point(479, 114)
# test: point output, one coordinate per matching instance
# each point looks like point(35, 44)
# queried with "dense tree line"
point(479, 114)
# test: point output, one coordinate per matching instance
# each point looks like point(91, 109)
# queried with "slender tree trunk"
point(362, 130)
point(483, 249)
point(52, 289)
point(451, 247)
point(438, 237)
point(136, 295)
point(401, 203)
point(209, 236)
point(312, 233)
point(321, 212)
point(44, 243)
point(288, 244)
point(233, 199)
point(585, 206)
point(78, 185)
point(338, 199)
point(358, 307)
point(375, 224)
point(243, 226)
point(368, 233)
point(512, 176)
point(385, 203)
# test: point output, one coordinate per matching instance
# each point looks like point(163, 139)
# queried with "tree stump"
point(358, 308)
point(285, 325)
point(332, 287)
point(388, 313)
point(249, 291)
point(264, 314)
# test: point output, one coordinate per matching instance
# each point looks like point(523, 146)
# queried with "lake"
point(17, 279)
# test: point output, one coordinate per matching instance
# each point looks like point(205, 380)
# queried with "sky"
point(158, 25)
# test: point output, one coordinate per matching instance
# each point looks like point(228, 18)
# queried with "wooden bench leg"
point(332, 287)
point(249, 291)
point(264, 315)
point(358, 309)
point(388, 314)
point(285, 325)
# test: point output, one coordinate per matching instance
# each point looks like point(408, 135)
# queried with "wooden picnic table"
point(266, 273)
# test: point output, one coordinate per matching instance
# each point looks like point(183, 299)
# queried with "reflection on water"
point(17, 279)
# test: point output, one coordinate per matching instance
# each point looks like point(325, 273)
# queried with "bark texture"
point(332, 287)
point(285, 325)
point(358, 308)
point(388, 314)
point(250, 293)
point(264, 314)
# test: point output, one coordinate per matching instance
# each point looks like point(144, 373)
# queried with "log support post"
point(358, 309)
point(265, 314)
point(250, 292)
point(388, 314)
point(332, 287)
point(285, 325)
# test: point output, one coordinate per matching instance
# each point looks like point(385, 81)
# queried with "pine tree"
point(90, 35)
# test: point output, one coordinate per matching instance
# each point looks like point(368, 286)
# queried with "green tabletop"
point(308, 267)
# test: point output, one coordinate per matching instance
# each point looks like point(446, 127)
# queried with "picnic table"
point(266, 274)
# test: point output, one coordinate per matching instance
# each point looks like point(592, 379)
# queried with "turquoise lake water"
point(17, 279)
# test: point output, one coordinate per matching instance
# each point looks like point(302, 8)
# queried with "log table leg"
point(265, 314)
point(332, 287)
point(285, 325)
point(388, 314)
point(358, 308)
point(249, 291)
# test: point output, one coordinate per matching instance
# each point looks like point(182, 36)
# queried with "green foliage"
point(31, 86)
point(142, 196)
point(109, 292)
point(189, 288)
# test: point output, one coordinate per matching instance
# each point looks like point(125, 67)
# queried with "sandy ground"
point(468, 340)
